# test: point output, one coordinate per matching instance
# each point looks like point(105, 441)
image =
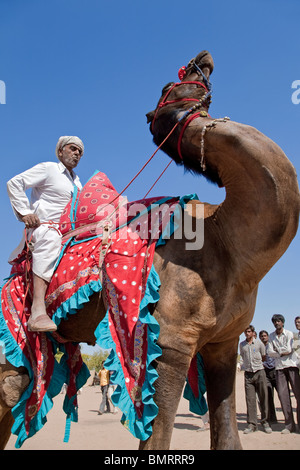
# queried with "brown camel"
point(207, 297)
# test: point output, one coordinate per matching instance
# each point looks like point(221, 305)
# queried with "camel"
point(208, 295)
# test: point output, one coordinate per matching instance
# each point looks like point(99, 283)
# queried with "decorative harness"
point(191, 112)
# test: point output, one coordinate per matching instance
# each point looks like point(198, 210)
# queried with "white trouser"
point(46, 249)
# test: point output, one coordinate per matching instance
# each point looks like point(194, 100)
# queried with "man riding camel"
point(52, 187)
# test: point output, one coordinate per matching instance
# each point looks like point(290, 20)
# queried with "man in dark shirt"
point(253, 353)
point(269, 366)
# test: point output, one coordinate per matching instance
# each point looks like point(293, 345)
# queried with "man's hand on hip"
point(31, 221)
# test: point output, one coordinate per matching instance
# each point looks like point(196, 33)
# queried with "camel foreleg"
point(220, 372)
point(172, 369)
point(5, 427)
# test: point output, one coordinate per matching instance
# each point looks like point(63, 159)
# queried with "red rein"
point(187, 122)
point(164, 102)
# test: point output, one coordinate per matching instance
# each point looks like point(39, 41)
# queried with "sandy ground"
point(105, 432)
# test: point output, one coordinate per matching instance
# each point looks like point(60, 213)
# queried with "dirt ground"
point(105, 432)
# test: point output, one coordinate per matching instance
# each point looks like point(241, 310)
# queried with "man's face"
point(278, 325)
point(264, 337)
point(297, 323)
point(70, 156)
point(249, 334)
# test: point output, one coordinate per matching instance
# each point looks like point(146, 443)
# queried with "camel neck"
point(259, 216)
point(261, 208)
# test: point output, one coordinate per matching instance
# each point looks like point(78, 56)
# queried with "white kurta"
point(282, 344)
point(52, 187)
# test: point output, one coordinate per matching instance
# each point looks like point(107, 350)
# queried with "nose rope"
point(206, 81)
point(164, 101)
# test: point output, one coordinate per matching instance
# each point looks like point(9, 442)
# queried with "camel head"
point(190, 96)
point(198, 69)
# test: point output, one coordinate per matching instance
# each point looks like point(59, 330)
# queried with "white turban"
point(68, 139)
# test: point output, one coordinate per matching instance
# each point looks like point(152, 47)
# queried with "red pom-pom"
point(181, 72)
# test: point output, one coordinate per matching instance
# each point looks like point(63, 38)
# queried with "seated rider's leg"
point(46, 250)
point(38, 302)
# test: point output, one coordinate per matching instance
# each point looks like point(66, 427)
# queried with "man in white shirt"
point(52, 186)
point(297, 341)
point(280, 347)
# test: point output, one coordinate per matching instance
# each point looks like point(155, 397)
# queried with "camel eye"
point(167, 87)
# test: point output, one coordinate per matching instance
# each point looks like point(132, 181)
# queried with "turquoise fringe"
point(15, 356)
point(77, 301)
point(197, 405)
point(67, 429)
point(58, 379)
point(141, 428)
point(177, 215)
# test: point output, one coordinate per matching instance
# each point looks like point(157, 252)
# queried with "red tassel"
point(181, 73)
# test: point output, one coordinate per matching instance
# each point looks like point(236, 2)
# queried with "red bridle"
point(166, 102)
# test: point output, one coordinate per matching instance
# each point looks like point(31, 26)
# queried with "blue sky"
point(95, 68)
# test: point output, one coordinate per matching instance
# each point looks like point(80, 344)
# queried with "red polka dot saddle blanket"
point(107, 246)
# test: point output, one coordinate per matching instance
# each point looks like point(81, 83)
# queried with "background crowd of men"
point(270, 363)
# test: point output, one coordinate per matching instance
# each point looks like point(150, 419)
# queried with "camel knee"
point(12, 386)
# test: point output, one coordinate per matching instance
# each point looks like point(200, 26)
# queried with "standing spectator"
point(110, 392)
point(280, 347)
point(253, 352)
point(104, 384)
point(269, 366)
point(297, 342)
point(297, 324)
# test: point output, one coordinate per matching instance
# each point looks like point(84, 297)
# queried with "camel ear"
point(150, 116)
